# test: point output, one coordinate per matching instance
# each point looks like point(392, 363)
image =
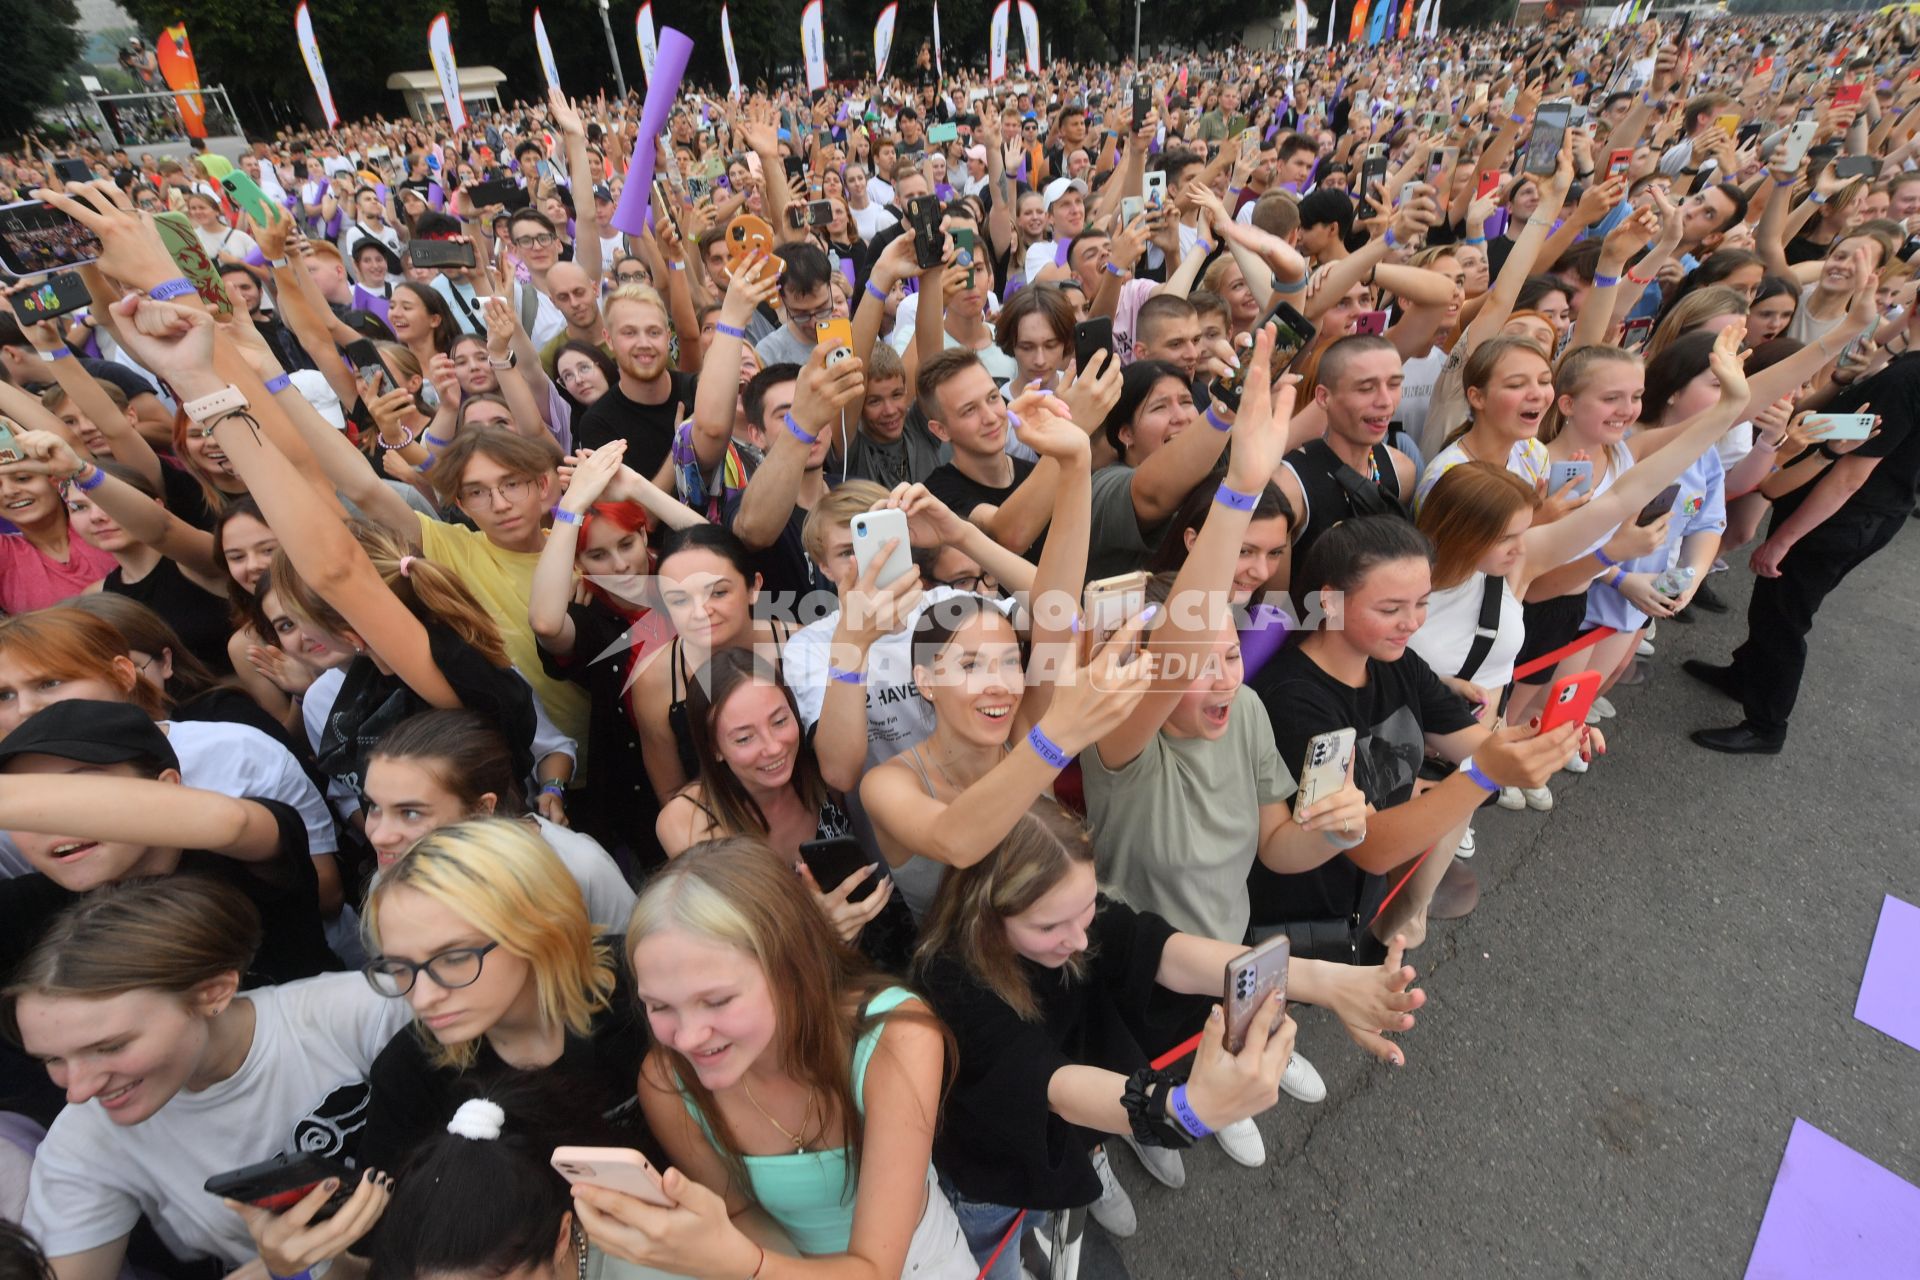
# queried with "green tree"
point(42, 42)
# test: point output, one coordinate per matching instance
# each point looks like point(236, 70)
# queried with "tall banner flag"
point(1377, 24)
point(938, 70)
point(1433, 21)
point(883, 40)
point(545, 48)
point(649, 43)
point(175, 57)
point(316, 70)
point(813, 44)
point(440, 48)
point(1358, 27)
point(997, 42)
point(1406, 19)
point(1333, 7)
point(1030, 35)
point(1300, 20)
point(733, 63)
point(636, 195)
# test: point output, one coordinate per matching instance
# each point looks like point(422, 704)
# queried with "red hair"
point(628, 517)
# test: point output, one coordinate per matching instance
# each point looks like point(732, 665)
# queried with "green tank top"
point(809, 1193)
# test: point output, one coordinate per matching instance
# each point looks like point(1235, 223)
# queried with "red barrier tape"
point(1542, 663)
point(1013, 1233)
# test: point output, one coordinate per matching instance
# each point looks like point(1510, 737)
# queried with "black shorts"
point(1550, 624)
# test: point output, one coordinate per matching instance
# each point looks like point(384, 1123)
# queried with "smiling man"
point(650, 397)
point(1353, 471)
point(964, 407)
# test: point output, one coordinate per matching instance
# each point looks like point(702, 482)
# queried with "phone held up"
point(1329, 757)
point(1569, 700)
point(1253, 977)
point(615, 1168)
point(282, 1182)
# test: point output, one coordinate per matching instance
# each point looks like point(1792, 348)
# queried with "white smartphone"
point(1581, 473)
point(871, 531)
point(1252, 976)
point(1325, 769)
point(1799, 138)
point(615, 1168)
point(1156, 188)
point(1131, 207)
point(1843, 426)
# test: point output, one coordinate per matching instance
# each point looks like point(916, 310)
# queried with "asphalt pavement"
point(1659, 978)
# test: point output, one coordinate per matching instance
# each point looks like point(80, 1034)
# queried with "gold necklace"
point(798, 1140)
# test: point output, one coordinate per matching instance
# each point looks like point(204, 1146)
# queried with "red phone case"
point(1847, 95)
point(1569, 700)
point(1489, 183)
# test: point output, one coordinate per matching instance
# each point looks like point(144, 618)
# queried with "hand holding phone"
point(1255, 979)
point(873, 530)
point(615, 1168)
point(1569, 701)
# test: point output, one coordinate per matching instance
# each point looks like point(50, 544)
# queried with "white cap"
point(1060, 186)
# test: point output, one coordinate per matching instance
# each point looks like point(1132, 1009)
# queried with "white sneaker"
point(1301, 1082)
point(1163, 1163)
point(1466, 845)
point(1576, 765)
point(1604, 708)
point(1114, 1209)
point(1539, 799)
point(1510, 798)
point(1644, 649)
point(1241, 1141)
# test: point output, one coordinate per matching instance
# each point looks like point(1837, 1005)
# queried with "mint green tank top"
point(808, 1193)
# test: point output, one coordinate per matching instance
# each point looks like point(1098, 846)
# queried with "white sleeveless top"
point(1453, 614)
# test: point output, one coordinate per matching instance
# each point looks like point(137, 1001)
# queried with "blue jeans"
point(985, 1225)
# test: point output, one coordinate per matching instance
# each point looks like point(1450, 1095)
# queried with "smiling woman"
point(46, 563)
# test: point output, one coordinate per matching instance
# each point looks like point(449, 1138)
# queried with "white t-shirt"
point(302, 1088)
point(228, 240)
point(1416, 393)
point(1527, 459)
point(609, 896)
point(872, 220)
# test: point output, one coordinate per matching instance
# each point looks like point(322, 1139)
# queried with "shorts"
point(1550, 624)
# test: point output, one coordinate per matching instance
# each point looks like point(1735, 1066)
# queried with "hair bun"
point(478, 1119)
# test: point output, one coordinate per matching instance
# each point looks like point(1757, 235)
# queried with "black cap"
point(91, 733)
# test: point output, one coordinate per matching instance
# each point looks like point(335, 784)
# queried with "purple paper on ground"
point(1833, 1212)
point(1889, 999)
point(636, 196)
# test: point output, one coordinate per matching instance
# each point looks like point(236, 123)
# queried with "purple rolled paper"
point(669, 66)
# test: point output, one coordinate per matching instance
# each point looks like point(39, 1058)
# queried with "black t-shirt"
point(198, 615)
point(284, 888)
point(647, 428)
point(413, 1097)
point(998, 1139)
point(1894, 394)
point(183, 496)
point(1400, 704)
point(962, 493)
point(782, 564)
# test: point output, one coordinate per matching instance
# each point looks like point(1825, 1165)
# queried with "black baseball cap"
point(91, 733)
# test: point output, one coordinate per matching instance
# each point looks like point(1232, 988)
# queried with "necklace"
point(580, 1250)
point(798, 1140)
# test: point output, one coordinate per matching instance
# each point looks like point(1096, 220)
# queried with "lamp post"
point(613, 50)
point(1136, 32)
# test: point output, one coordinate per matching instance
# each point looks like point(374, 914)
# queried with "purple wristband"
point(799, 432)
point(1234, 498)
point(563, 516)
point(92, 482)
point(1177, 1103)
point(1217, 422)
point(877, 292)
point(1046, 748)
point(730, 331)
point(178, 287)
point(278, 383)
point(846, 677)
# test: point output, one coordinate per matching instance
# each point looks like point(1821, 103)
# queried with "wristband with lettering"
point(90, 482)
point(846, 677)
point(1472, 770)
point(178, 287)
point(278, 382)
point(1217, 422)
point(1046, 748)
point(878, 293)
point(1177, 1103)
point(1604, 282)
point(676, 266)
point(563, 516)
point(1234, 498)
point(729, 330)
point(799, 432)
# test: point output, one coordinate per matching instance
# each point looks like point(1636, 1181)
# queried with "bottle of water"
point(1674, 581)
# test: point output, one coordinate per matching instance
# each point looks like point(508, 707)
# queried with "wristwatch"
point(215, 404)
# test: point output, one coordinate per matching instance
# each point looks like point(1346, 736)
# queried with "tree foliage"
point(43, 39)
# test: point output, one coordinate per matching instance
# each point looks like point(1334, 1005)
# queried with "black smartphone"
point(796, 168)
point(504, 192)
point(59, 293)
point(440, 253)
point(1142, 104)
point(1293, 333)
point(1661, 504)
point(834, 859)
point(1091, 337)
point(300, 170)
point(929, 245)
point(796, 218)
point(36, 238)
point(1549, 131)
point(74, 170)
point(1373, 172)
point(819, 213)
point(362, 354)
point(1856, 167)
point(282, 1182)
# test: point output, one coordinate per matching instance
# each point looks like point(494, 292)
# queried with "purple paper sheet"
point(1889, 999)
point(1834, 1213)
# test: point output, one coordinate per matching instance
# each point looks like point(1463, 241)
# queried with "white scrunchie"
point(478, 1119)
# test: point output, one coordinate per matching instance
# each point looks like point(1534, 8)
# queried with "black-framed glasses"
point(631, 277)
point(978, 583)
point(450, 970)
point(538, 241)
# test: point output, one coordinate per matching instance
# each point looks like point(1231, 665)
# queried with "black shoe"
point(1707, 598)
point(1740, 740)
point(1721, 680)
point(1684, 617)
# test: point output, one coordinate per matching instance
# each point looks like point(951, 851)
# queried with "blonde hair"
point(507, 882)
point(431, 593)
point(1693, 311)
point(1571, 377)
point(637, 293)
point(839, 507)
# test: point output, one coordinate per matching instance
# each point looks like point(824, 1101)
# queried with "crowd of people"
point(663, 663)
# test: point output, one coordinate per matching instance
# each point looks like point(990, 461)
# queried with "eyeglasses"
point(967, 582)
point(539, 241)
point(810, 319)
point(450, 970)
point(472, 495)
point(631, 277)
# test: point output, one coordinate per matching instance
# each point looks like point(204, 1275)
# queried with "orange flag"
point(175, 56)
point(1359, 20)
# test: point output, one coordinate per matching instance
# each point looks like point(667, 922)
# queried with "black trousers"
point(1769, 665)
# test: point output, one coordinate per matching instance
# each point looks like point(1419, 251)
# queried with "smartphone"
point(1110, 603)
point(795, 168)
point(73, 170)
point(1843, 426)
point(1091, 337)
point(282, 1182)
point(1569, 700)
point(1618, 162)
point(1373, 173)
point(1580, 473)
point(1730, 122)
point(1856, 166)
point(1376, 151)
point(834, 859)
point(9, 443)
point(59, 293)
point(505, 192)
point(1292, 334)
point(1847, 95)
point(1142, 104)
point(871, 531)
point(1252, 978)
point(440, 253)
point(1131, 207)
point(615, 1168)
point(963, 251)
point(923, 215)
point(188, 254)
point(1799, 137)
point(819, 213)
point(1370, 323)
point(1361, 101)
point(1662, 503)
point(1636, 331)
point(1329, 756)
point(1489, 183)
point(378, 381)
point(745, 234)
point(1549, 131)
point(247, 196)
point(1442, 165)
point(948, 132)
point(1156, 188)
point(837, 337)
point(36, 238)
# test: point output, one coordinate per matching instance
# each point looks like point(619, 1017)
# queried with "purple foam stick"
point(1833, 1212)
point(1889, 1001)
point(669, 66)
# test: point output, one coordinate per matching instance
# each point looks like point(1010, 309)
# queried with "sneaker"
point(1241, 1141)
point(1510, 798)
point(1114, 1209)
point(1301, 1082)
point(1644, 649)
point(1576, 765)
point(1162, 1162)
point(1604, 708)
point(1466, 845)
point(1539, 799)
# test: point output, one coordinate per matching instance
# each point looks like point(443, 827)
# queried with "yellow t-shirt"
point(502, 581)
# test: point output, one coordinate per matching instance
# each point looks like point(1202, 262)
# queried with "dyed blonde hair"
point(504, 880)
point(1693, 311)
point(1572, 376)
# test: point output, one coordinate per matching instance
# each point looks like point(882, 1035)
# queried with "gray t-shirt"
point(1117, 543)
point(782, 346)
point(1176, 830)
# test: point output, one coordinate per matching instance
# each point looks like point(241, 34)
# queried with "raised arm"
point(553, 577)
point(586, 219)
point(138, 811)
point(820, 397)
point(143, 519)
point(717, 393)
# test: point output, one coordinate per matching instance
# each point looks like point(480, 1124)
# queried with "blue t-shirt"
point(1700, 508)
